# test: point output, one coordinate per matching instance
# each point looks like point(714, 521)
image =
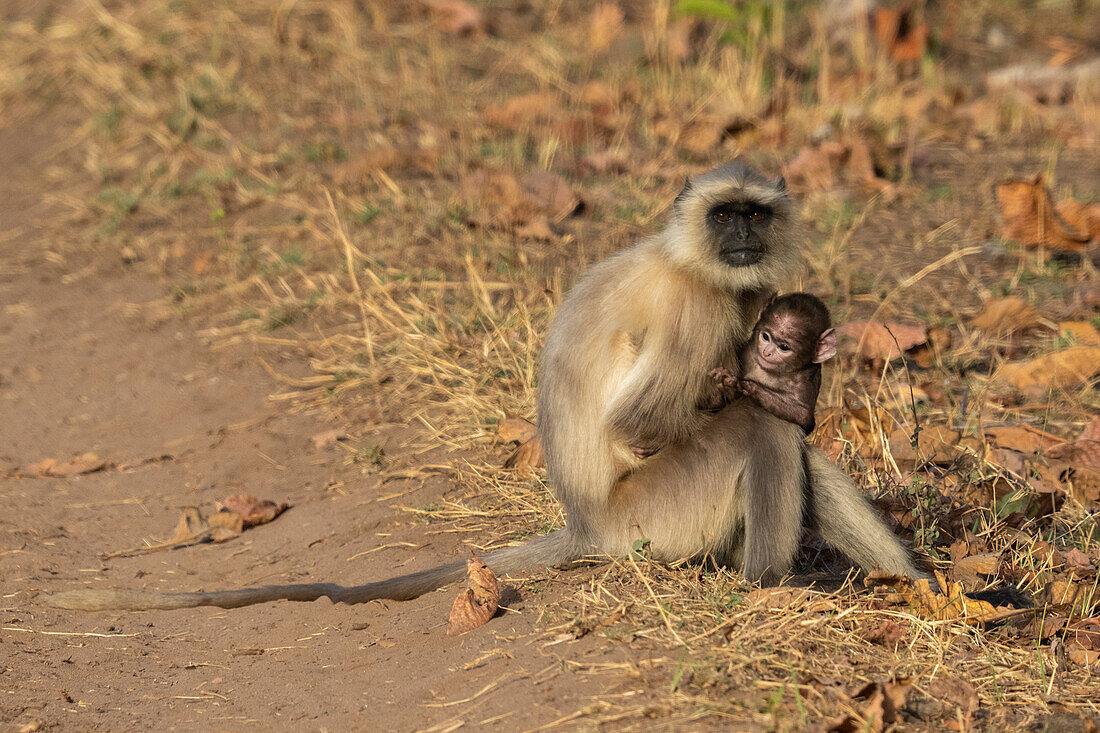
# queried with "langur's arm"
point(790, 405)
point(655, 404)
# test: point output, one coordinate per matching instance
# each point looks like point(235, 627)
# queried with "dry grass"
point(296, 176)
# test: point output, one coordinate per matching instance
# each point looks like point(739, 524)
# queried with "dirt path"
point(80, 373)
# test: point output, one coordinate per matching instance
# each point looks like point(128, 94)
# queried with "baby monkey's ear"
point(826, 346)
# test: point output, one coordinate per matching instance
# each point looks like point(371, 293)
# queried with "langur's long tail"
point(556, 547)
point(847, 521)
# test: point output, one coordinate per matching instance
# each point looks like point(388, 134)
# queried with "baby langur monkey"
point(781, 363)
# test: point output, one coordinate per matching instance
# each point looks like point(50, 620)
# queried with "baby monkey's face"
point(783, 344)
point(789, 339)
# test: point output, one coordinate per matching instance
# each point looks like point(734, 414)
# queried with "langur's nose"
point(741, 229)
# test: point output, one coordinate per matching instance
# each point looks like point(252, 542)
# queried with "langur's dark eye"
point(784, 348)
point(764, 335)
point(721, 217)
point(757, 215)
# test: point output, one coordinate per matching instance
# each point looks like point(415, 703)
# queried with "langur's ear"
point(826, 346)
point(780, 184)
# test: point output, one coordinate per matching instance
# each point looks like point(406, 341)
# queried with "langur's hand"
point(725, 379)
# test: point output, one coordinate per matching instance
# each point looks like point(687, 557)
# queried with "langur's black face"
point(739, 229)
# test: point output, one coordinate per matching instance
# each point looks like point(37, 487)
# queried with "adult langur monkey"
point(629, 451)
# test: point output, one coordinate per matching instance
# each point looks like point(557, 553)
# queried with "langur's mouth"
point(742, 257)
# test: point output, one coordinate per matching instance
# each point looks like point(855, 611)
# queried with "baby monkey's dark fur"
point(781, 364)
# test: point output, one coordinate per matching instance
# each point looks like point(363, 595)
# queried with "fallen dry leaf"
point(1081, 332)
point(884, 341)
point(888, 633)
point(1084, 633)
point(361, 168)
point(922, 600)
point(1078, 560)
point(968, 570)
point(551, 194)
point(1002, 316)
point(955, 692)
point(1081, 218)
point(497, 199)
point(1067, 369)
point(811, 170)
point(1031, 218)
point(1084, 657)
point(87, 463)
point(1067, 596)
point(1022, 438)
point(701, 136)
point(821, 167)
point(882, 704)
point(521, 111)
point(251, 510)
point(1085, 451)
point(193, 526)
point(526, 457)
point(478, 603)
point(678, 41)
point(515, 429)
point(936, 442)
point(900, 33)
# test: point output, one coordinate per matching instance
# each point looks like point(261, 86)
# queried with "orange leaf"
point(252, 511)
point(518, 112)
point(526, 457)
point(478, 603)
point(1031, 219)
point(883, 340)
point(513, 429)
point(1082, 332)
point(87, 463)
point(899, 35)
point(924, 601)
point(1022, 438)
point(1081, 218)
point(1002, 316)
point(1067, 369)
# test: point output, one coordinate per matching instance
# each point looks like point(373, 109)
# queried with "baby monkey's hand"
point(725, 379)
